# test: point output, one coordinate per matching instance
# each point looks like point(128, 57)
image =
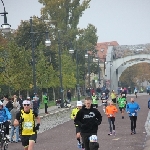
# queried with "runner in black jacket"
point(88, 119)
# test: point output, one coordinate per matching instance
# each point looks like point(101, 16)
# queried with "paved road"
point(63, 136)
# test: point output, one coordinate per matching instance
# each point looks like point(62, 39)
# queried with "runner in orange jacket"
point(110, 112)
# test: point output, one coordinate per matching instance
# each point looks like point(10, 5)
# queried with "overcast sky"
point(124, 21)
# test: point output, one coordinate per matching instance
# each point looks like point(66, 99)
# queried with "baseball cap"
point(26, 102)
point(79, 103)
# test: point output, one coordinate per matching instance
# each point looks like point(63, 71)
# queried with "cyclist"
point(122, 104)
point(26, 119)
point(73, 116)
point(104, 99)
point(5, 117)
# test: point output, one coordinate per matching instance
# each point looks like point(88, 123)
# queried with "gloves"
point(37, 126)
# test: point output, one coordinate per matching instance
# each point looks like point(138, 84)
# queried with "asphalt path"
point(63, 136)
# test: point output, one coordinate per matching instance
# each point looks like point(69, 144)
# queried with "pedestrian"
point(88, 119)
point(9, 104)
point(122, 105)
point(69, 95)
point(73, 116)
point(110, 112)
point(20, 100)
point(132, 108)
point(45, 100)
point(26, 119)
point(36, 105)
point(14, 130)
point(135, 91)
point(5, 100)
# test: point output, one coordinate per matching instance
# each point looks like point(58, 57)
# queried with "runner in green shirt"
point(95, 100)
point(45, 100)
point(122, 105)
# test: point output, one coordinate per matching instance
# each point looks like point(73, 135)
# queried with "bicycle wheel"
point(5, 146)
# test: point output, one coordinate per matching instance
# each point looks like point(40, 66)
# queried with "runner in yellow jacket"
point(73, 115)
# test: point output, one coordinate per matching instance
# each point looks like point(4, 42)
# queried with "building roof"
point(102, 49)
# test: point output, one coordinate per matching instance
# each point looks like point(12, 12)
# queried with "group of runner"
point(87, 117)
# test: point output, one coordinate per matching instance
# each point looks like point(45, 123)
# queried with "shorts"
point(114, 100)
point(121, 108)
point(26, 138)
point(78, 129)
point(95, 105)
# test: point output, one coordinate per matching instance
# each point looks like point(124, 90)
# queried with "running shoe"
point(110, 133)
point(79, 145)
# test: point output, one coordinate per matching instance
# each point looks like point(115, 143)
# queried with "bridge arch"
point(112, 67)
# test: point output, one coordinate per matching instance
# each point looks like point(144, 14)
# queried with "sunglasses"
point(26, 104)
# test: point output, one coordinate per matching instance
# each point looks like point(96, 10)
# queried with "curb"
point(55, 112)
point(147, 124)
point(147, 143)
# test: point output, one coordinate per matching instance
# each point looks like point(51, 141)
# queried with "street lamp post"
point(110, 63)
point(88, 57)
point(77, 67)
point(5, 26)
point(47, 43)
point(60, 71)
point(99, 78)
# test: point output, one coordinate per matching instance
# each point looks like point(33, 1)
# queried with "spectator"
point(5, 100)
point(9, 104)
point(36, 105)
point(13, 112)
point(45, 100)
point(69, 95)
point(20, 100)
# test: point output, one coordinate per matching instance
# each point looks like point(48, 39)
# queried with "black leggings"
point(133, 122)
point(111, 121)
point(85, 140)
point(45, 107)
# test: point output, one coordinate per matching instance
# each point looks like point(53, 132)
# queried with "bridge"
point(120, 58)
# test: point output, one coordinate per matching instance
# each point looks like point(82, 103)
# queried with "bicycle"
point(3, 139)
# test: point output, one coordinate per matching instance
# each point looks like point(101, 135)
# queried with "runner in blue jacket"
point(132, 108)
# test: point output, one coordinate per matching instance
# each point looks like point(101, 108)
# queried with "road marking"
point(116, 139)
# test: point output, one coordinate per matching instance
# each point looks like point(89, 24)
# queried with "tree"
point(135, 74)
point(17, 71)
point(46, 75)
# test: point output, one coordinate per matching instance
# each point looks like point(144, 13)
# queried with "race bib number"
point(28, 125)
point(93, 138)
